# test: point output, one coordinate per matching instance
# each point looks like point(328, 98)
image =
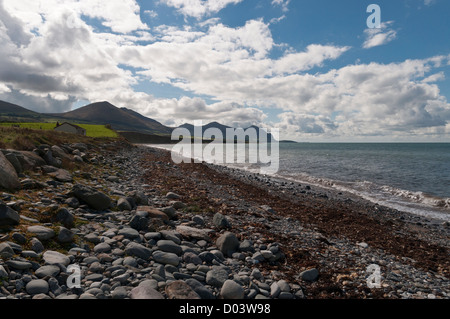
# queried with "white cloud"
point(283, 3)
point(379, 36)
point(199, 8)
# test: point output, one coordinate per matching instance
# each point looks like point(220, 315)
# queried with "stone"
point(130, 261)
point(275, 290)
point(200, 289)
point(172, 195)
point(92, 197)
point(19, 238)
point(62, 175)
point(65, 235)
point(37, 286)
point(138, 250)
point(191, 258)
point(8, 175)
point(310, 275)
point(47, 270)
point(169, 246)
point(72, 202)
point(53, 258)
point(232, 290)
point(166, 258)
point(41, 232)
point(169, 211)
point(12, 158)
point(216, 277)
point(8, 216)
point(139, 223)
point(192, 232)
point(3, 272)
point(64, 217)
point(145, 290)
point(180, 290)
point(129, 233)
point(36, 245)
point(220, 221)
point(6, 251)
point(228, 244)
point(152, 212)
point(119, 293)
point(19, 264)
point(123, 204)
point(102, 248)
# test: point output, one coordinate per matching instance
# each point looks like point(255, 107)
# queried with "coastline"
point(372, 231)
point(163, 229)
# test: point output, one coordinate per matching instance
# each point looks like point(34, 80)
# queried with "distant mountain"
point(9, 110)
point(222, 128)
point(121, 119)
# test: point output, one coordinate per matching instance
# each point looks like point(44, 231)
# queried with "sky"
point(315, 70)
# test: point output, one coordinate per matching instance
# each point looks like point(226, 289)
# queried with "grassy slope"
point(27, 139)
point(91, 130)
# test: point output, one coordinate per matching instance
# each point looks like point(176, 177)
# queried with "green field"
point(91, 130)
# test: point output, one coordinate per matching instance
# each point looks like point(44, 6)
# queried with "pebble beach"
point(137, 226)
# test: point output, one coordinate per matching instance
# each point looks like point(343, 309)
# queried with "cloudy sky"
point(313, 69)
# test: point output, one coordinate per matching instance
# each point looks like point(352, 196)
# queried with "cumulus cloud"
point(379, 36)
point(199, 8)
point(282, 3)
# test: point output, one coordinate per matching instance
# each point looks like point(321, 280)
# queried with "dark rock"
point(228, 243)
point(8, 176)
point(8, 216)
point(92, 197)
point(180, 290)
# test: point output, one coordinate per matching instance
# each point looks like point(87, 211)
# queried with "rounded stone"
point(232, 290)
point(38, 286)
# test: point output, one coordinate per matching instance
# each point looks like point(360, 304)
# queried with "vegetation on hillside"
point(91, 130)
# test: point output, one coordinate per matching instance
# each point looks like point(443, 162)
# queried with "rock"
point(8, 176)
point(216, 277)
point(37, 286)
point(228, 243)
point(166, 258)
point(275, 290)
point(59, 152)
point(129, 233)
point(72, 202)
point(123, 204)
point(8, 216)
point(145, 290)
point(102, 248)
point(12, 158)
point(6, 251)
point(53, 258)
point(95, 199)
point(65, 235)
point(169, 246)
point(47, 270)
point(64, 217)
point(232, 290)
point(310, 275)
point(268, 209)
point(169, 211)
point(29, 160)
point(36, 245)
point(41, 232)
point(196, 233)
point(138, 250)
point(180, 290)
point(171, 195)
point(19, 238)
point(29, 183)
point(119, 293)
point(3, 273)
point(152, 212)
point(61, 175)
point(201, 290)
point(19, 264)
point(221, 221)
point(139, 223)
point(191, 258)
point(50, 160)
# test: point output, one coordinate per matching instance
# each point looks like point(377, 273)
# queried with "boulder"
point(221, 221)
point(41, 232)
point(92, 197)
point(232, 290)
point(61, 175)
point(8, 216)
point(8, 175)
point(228, 243)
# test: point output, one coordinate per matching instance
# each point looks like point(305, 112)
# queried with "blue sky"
point(312, 69)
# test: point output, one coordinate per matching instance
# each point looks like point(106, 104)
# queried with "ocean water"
point(410, 177)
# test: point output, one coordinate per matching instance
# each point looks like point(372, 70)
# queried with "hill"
point(121, 119)
point(222, 128)
point(13, 112)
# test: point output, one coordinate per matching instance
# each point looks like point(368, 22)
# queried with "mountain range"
point(120, 119)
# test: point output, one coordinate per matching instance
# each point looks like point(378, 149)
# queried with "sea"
point(409, 177)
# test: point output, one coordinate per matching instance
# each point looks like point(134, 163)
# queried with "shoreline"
point(159, 230)
point(418, 241)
